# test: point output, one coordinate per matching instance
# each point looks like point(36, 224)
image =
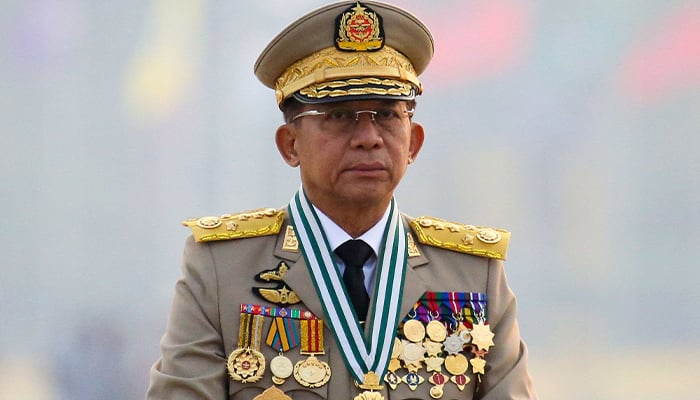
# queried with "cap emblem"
point(359, 28)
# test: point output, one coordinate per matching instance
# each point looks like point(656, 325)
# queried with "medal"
point(412, 354)
point(454, 344)
point(478, 365)
point(456, 364)
point(438, 379)
point(370, 384)
point(414, 330)
point(432, 348)
point(436, 331)
point(272, 393)
point(312, 372)
point(283, 336)
point(482, 336)
point(390, 377)
point(460, 380)
point(412, 379)
point(281, 368)
point(246, 363)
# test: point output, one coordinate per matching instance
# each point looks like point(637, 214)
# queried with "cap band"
point(386, 71)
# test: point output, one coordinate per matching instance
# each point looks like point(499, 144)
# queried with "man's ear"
point(285, 138)
point(417, 137)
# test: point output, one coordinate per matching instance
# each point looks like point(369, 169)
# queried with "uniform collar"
point(337, 236)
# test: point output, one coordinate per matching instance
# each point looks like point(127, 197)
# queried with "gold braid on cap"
point(334, 68)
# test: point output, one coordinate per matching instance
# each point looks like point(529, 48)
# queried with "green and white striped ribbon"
point(364, 354)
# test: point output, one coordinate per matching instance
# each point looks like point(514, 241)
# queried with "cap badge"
point(359, 28)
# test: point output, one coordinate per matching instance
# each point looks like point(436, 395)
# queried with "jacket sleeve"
point(192, 363)
point(507, 376)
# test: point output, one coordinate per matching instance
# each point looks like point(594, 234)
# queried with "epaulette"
point(477, 240)
point(261, 222)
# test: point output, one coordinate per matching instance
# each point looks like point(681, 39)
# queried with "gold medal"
point(281, 337)
point(432, 348)
point(456, 364)
point(436, 331)
point(482, 336)
point(246, 363)
point(397, 349)
point(434, 364)
point(369, 396)
point(460, 380)
point(478, 365)
point(312, 372)
point(414, 330)
point(272, 393)
point(412, 379)
point(281, 368)
point(370, 384)
point(438, 379)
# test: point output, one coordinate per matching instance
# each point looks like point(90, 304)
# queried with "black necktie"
point(354, 253)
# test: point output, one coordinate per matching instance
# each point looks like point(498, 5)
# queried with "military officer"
point(338, 295)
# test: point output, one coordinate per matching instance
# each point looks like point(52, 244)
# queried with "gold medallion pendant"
point(281, 368)
point(370, 384)
point(246, 365)
point(312, 372)
point(272, 394)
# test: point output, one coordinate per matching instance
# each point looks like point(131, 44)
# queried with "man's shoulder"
point(254, 223)
point(476, 240)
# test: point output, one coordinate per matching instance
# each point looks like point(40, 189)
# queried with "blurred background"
point(573, 124)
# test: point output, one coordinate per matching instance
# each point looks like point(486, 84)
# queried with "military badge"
point(281, 294)
point(359, 28)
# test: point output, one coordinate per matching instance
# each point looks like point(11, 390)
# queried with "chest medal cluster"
point(446, 333)
point(289, 328)
point(444, 336)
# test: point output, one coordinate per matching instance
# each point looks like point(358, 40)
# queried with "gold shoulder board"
point(477, 240)
point(261, 222)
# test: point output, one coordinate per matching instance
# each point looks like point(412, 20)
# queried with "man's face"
point(348, 158)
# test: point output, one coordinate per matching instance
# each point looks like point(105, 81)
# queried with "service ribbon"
point(268, 311)
point(250, 331)
point(283, 334)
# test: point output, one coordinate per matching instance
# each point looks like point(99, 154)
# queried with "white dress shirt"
point(373, 237)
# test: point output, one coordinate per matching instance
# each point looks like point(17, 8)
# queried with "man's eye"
point(340, 114)
point(387, 114)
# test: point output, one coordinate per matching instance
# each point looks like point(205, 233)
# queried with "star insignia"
point(478, 365)
point(434, 364)
point(482, 336)
point(432, 348)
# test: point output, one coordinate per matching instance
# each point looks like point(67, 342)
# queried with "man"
point(339, 295)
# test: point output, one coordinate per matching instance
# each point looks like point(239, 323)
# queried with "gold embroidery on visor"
point(330, 64)
point(390, 87)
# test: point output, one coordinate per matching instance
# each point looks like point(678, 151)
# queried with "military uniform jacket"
point(217, 277)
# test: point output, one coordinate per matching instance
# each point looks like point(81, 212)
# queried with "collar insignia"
point(359, 28)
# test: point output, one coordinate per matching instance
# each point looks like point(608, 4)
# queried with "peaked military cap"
point(347, 50)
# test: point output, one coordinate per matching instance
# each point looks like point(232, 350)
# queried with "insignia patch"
point(359, 28)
